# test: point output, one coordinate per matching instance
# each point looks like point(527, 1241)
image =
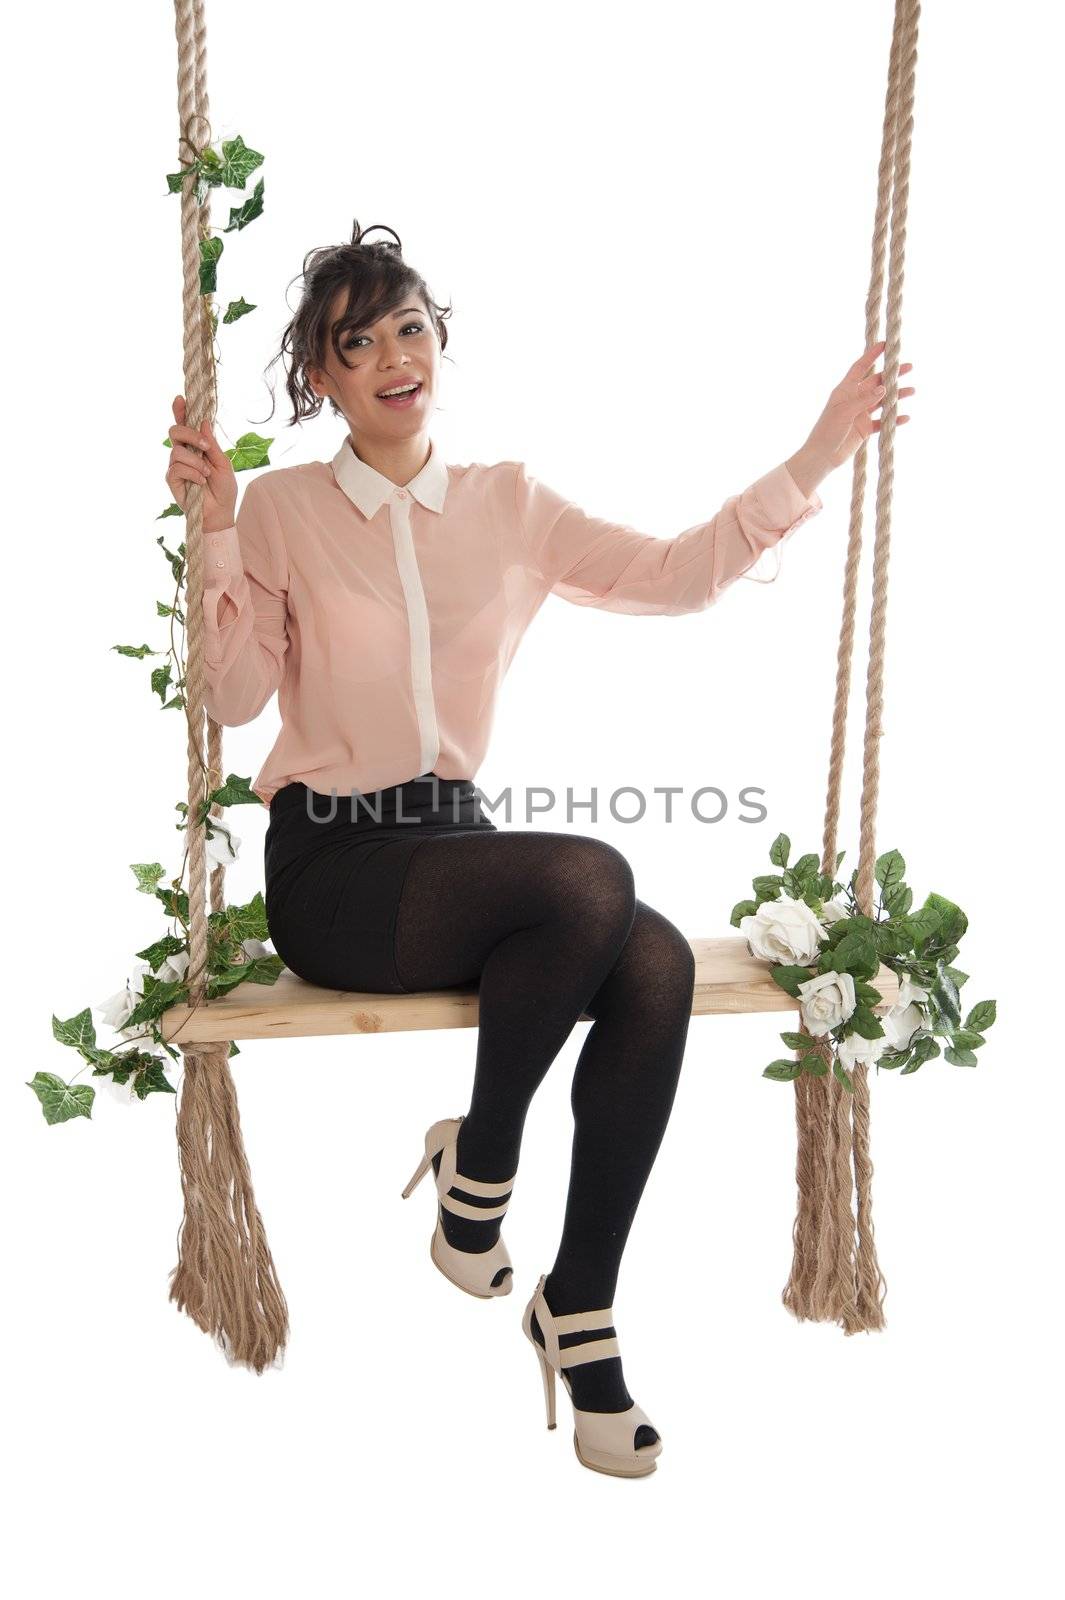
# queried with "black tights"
point(549, 926)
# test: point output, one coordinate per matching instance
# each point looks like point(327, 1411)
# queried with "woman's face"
point(399, 348)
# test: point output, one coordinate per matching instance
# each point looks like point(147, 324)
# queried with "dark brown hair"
point(377, 280)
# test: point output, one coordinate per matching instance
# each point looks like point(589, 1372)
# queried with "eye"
point(418, 327)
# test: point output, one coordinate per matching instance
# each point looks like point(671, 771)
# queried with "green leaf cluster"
point(921, 943)
point(230, 165)
point(802, 881)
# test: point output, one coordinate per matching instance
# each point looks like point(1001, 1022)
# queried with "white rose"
point(901, 1023)
point(910, 991)
point(254, 948)
point(833, 911)
point(854, 1050)
point(116, 1008)
point(827, 1000)
point(222, 848)
point(783, 930)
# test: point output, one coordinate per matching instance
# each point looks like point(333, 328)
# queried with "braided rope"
point(833, 1276)
point(225, 1277)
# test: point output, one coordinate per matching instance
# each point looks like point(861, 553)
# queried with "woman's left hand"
point(845, 421)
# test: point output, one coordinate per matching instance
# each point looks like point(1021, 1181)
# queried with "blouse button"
point(401, 494)
point(219, 563)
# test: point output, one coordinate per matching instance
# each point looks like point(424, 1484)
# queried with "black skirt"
point(335, 867)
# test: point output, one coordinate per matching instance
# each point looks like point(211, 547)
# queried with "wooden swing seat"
point(728, 981)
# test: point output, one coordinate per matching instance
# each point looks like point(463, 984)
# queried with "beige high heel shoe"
point(603, 1440)
point(467, 1269)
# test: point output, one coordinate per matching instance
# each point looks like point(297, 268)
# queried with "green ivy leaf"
point(155, 954)
point(779, 850)
point(158, 996)
point(946, 996)
point(923, 924)
point(152, 1080)
point(236, 791)
point(161, 680)
point(174, 904)
point(855, 953)
point(237, 309)
point(147, 874)
point(240, 216)
point(78, 1031)
point(238, 163)
point(137, 650)
point(789, 978)
point(251, 450)
point(237, 923)
point(982, 1015)
point(952, 919)
point(967, 1039)
point(782, 1071)
point(925, 1049)
point(898, 900)
point(864, 1023)
point(843, 1075)
point(172, 510)
point(60, 1101)
point(890, 869)
point(210, 251)
point(262, 969)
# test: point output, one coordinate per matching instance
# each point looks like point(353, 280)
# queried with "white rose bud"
point(909, 992)
point(833, 911)
point(827, 1000)
point(901, 1023)
point(174, 967)
point(784, 930)
point(222, 848)
point(854, 1050)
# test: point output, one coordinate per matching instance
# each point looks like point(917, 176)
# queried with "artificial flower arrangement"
point(236, 951)
point(824, 952)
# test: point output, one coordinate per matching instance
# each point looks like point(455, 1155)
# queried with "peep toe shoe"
point(603, 1440)
point(484, 1273)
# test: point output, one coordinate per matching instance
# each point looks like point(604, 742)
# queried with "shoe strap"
point(448, 1177)
point(584, 1321)
point(591, 1350)
point(573, 1322)
point(475, 1213)
point(477, 1186)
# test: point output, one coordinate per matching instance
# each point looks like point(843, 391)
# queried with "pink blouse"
point(386, 617)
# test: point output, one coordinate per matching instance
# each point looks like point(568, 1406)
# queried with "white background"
point(654, 227)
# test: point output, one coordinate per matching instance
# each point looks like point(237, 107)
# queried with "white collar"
point(369, 489)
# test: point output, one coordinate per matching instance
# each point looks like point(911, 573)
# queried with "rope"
point(225, 1277)
point(833, 1276)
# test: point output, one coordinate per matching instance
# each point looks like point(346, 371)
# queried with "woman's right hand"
point(198, 458)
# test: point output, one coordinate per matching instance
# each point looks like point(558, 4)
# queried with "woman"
point(383, 594)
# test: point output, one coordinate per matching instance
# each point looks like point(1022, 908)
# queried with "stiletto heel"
point(485, 1273)
point(603, 1440)
point(419, 1173)
point(548, 1374)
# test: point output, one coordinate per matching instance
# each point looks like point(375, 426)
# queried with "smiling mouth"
point(405, 399)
